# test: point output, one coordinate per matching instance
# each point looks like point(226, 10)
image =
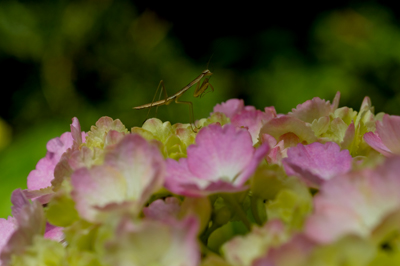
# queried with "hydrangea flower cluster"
point(317, 186)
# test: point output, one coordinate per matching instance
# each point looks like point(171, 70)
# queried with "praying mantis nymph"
point(200, 91)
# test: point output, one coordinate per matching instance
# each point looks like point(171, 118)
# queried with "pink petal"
point(339, 220)
point(335, 102)
point(19, 201)
point(355, 203)
point(160, 209)
point(96, 187)
point(222, 160)
point(253, 120)
point(31, 222)
point(7, 228)
point(42, 176)
point(181, 181)
point(376, 143)
point(220, 153)
point(141, 164)
point(43, 195)
point(270, 111)
point(193, 190)
point(275, 155)
point(76, 133)
point(179, 178)
point(366, 104)
point(54, 232)
point(252, 166)
point(313, 109)
point(132, 171)
point(230, 107)
point(277, 150)
point(270, 140)
point(113, 137)
point(317, 162)
point(388, 131)
point(84, 157)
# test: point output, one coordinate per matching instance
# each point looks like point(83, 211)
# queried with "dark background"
point(60, 59)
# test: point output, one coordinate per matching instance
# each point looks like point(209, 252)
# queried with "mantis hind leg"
point(160, 85)
point(192, 124)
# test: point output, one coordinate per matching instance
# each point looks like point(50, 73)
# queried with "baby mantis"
point(200, 90)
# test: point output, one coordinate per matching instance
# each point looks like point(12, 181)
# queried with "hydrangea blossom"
point(316, 186)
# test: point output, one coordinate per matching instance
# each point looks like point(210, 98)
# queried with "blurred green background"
point(88, 59)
